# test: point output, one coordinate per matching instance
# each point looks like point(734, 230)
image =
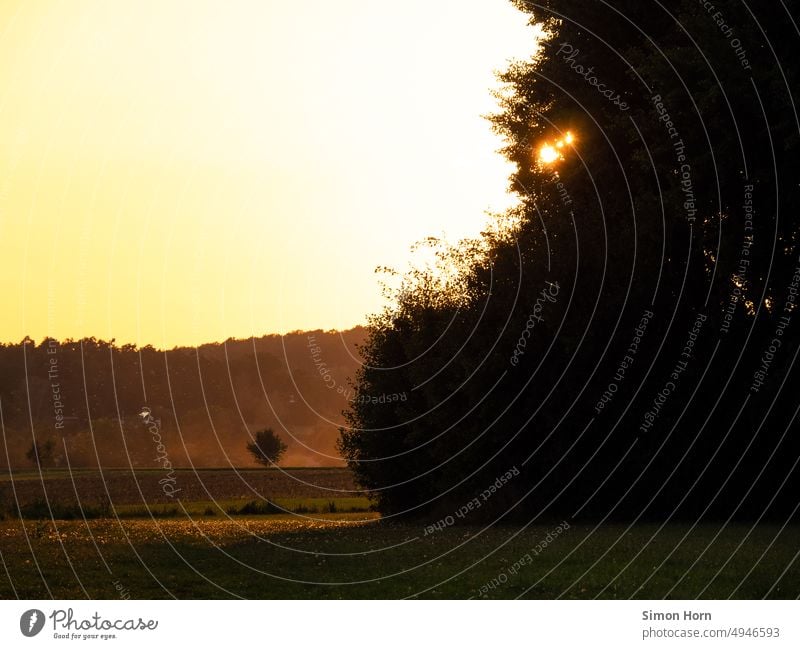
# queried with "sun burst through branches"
point(550, 153)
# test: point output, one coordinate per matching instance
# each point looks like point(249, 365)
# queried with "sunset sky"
point(182, 172)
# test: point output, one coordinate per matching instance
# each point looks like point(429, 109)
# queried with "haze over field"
point(86, 398)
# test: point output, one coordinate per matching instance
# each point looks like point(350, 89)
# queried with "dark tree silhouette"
point(267, 447)
point(647, 228)
point(41, 454)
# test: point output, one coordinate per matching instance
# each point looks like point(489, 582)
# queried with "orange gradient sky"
point(182, 172)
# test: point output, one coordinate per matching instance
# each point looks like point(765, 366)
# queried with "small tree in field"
point(41, 453)
point(267, 447)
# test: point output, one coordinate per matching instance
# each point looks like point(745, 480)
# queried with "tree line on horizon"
point(79, 403)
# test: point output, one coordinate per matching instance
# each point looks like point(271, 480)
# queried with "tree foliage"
point(267, 447)
point(647, 214)
point(41, 453)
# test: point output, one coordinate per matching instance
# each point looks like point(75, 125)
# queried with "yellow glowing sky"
point(183, 172)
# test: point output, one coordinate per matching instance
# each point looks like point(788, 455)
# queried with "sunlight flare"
point(551, 153)
point(548, 154)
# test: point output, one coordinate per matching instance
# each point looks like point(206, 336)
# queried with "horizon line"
point(232, 339)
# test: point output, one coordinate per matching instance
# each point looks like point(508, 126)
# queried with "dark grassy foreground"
point(355, 556)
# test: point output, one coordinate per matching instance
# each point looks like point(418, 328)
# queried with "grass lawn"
point(354, 555)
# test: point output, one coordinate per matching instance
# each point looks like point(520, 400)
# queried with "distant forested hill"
point(81, 400)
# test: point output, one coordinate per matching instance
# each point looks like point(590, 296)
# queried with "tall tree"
point(582, 341)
